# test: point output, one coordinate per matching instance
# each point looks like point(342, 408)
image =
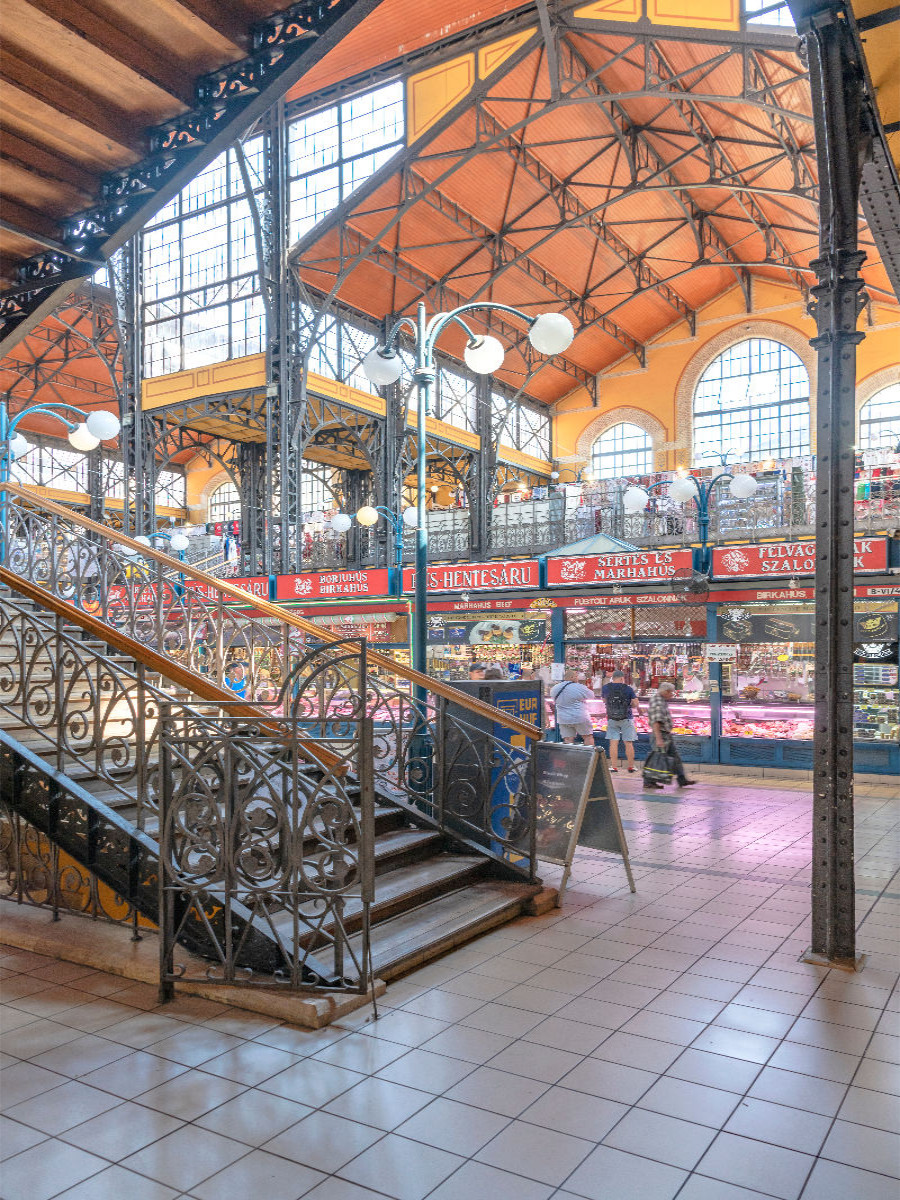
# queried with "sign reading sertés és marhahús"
point(641, 566)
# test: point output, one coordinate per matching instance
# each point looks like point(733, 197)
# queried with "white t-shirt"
point(571, 700)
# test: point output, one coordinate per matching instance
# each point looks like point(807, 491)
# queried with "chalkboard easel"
point(576, 806)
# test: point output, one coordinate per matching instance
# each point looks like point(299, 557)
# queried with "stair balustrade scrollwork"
point(450, 767)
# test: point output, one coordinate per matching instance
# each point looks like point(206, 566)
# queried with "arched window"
point(879, 420)
point(623, 450)
point(225, 503)
point(752, 401)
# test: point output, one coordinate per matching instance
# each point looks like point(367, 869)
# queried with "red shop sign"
point(477, 577)
point(791, 558)
point(309, 586)
point(256, 585)
point(641, 566)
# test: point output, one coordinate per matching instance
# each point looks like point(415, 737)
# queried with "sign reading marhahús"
point(477, 577)
point(640, 566)
point(791, 558)
point(315, 585)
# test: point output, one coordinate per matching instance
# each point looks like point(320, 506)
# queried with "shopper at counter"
point(661, 733)
point(573, 717)
point(621, 702)
point(476, 671)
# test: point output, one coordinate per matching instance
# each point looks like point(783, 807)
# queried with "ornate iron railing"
point(450, 760)
point(215, 789)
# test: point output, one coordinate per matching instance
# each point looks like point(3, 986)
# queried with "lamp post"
point(689, 487)
point(549, 333)
point(85, 433)
point(368, 516)
point(583, 475)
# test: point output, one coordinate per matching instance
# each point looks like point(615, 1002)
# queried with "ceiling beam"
point(720, 162)
point(569, 201)
point(505, 253)
point(89, 21)
point(447, 297)
point(705, 232)
point(285, 46)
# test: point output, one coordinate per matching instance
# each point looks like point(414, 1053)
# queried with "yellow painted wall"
point(653, 389)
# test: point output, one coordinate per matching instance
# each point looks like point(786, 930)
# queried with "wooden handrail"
point(286, 616)
point(310, 749)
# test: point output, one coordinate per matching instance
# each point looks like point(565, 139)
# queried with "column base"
point(842, 964)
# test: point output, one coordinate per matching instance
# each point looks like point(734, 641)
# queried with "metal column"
point(836, 305)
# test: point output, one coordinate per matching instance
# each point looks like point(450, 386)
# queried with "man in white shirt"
point(570, 699)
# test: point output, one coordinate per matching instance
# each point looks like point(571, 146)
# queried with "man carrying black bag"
point(663, 760)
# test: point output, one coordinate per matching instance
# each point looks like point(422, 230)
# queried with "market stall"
point(648, 642)
point(767, 683)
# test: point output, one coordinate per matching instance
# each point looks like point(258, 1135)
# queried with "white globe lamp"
point(178, 542)
point(143, 541)
point(634, 500)
point(382, 368)
point(367, 516)
point(103, 425)
point(742, 487)
point(340, 522)
point(484, 355)
point(410, 518)
point(19, 446)
point(682, 489)
point(81, 438)
point(551, 333)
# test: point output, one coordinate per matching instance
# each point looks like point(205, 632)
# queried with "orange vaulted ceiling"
point(625, 180)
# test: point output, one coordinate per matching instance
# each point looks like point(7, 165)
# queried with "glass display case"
point(876, 702)
point(767, 690)
point(688, 720)
point(645, 665)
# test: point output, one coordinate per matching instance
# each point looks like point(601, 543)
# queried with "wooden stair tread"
point(422, 933)
point(395, 889)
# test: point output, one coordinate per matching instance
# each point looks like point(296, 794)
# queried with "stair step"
point(431, 929)
point(399, 847)
point(414, 883)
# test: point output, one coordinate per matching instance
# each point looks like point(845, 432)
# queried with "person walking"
point(620, 700)
point(573, 717)
point(661, 735)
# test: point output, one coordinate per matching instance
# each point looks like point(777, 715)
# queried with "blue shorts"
point(621, 729)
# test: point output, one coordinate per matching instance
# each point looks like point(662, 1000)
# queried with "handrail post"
point(166, 895)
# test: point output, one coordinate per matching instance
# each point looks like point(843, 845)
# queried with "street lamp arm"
point(52, 408)
point(392, 341)
point(440, 320)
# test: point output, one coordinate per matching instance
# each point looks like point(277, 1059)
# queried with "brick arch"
point(622, 416)
point(213, 485)
point(872, 385)
point(687, 385)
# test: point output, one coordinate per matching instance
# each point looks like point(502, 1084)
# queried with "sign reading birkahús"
point(316, 585)
point(477, 577)
point(642, 566)
point(790, 558)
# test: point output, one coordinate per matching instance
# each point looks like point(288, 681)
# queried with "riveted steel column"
point(840, 143)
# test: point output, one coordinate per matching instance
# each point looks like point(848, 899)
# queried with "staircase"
point(398, 851)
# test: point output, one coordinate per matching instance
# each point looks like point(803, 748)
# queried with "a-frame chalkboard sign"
point(576, 806)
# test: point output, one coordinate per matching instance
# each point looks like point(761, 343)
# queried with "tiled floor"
point(666, 1044)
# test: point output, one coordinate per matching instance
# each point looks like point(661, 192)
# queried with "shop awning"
point(598, 543)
